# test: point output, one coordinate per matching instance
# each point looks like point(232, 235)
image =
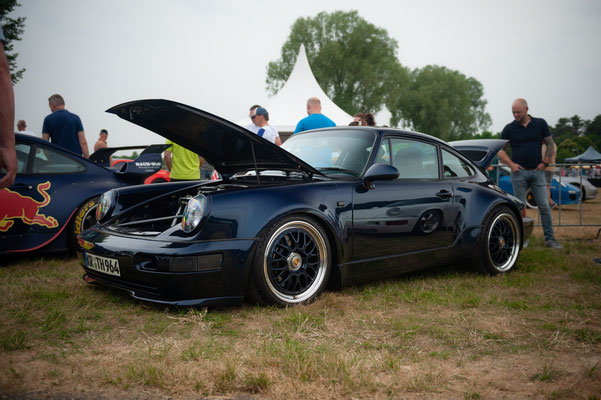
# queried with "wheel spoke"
point(295, 261)
point(502, 243)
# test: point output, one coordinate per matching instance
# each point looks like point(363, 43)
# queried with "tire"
point(84, 218)
point(530, 200)
point(582, 192)
point(292, 263)
point(499, 242)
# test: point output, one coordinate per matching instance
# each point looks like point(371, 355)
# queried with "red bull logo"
point(15, 206)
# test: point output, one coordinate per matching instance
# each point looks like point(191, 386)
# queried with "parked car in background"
point(473, 149)
point(587, 190)
point(563, 193)
point(330, 207)
point(55, 193)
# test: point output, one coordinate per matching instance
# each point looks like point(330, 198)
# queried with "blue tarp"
point(590, 155)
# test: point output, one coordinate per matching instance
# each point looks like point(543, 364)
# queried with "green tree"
point(578, 125)
point(567, 148)
point(583, 143)
point(353, 60)
point(593, 131)
point(487, 135)
point(441, 102)
point(13, 29)
point(563, 127)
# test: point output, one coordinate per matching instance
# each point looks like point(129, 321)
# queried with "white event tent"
point(289, 105)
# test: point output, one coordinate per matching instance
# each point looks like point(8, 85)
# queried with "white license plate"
point(103, 264)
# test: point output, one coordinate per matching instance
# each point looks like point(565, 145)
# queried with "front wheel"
point(84, 218)
point(499, 242)
point(292, 263)
point(530, 200)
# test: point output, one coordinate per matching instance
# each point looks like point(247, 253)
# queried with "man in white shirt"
point(22, 128)
point(260, 118)
point(252, 127)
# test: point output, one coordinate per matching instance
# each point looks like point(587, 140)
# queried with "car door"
point(413, 213)
point(35, 209)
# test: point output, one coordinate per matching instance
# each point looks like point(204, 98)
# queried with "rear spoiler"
point(147, 163)
point(480, 151)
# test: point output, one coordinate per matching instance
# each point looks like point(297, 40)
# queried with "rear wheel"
point(499, 242)
point(84, 218)
point(292, 263)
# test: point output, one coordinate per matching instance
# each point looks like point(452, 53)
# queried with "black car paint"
point(242, 209)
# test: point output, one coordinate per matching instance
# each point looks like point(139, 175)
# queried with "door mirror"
point(379, 172)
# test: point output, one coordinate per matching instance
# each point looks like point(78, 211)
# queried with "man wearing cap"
point(260, 116)
point(315, 119)
point(252, 127)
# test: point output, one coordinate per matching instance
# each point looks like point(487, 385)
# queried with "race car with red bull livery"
point(55, 194)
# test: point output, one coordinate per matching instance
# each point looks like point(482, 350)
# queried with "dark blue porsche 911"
point(330, 207)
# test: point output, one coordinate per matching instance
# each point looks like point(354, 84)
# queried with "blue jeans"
point(535, 180)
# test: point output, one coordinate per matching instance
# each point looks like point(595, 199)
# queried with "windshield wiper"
point(338, 169)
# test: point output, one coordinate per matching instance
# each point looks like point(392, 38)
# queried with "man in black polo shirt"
point(526, 135)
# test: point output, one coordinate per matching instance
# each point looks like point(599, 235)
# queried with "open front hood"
point(480, 151)
point(228, 147)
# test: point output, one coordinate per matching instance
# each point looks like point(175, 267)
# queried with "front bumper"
point(161, 272)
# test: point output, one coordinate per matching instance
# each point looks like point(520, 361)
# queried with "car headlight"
point(194, 212)
point(106, 204)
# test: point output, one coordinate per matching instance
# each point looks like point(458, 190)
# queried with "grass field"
point(439, 334)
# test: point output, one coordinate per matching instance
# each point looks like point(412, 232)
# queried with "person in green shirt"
point(183, 164)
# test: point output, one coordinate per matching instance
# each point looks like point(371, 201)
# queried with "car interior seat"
point(408, 161)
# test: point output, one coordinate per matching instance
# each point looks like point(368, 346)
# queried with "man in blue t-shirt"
point(315, 119)
point(64, 128)
point(526, 135)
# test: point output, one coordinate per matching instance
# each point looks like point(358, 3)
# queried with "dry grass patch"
point(446, 333)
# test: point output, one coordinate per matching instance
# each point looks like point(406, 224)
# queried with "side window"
point(455, 167)
point(48, 161)
point(413, 159)
point(383, 156)
point(22, 150)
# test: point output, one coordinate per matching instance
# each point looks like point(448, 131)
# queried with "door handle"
point(444, 194)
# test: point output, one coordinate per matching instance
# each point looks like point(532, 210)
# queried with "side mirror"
point(379, 172)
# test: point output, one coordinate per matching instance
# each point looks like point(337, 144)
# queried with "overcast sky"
point(213, 55)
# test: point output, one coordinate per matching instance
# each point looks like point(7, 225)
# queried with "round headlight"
point(194, 212)
point(105, 204)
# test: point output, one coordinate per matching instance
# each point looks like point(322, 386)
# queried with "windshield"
point(334, 152)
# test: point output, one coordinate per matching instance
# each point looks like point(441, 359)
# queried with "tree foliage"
point(574, 135)
point(441, 102)
point(355, 63)
point(352, 59)
point(13, 28)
